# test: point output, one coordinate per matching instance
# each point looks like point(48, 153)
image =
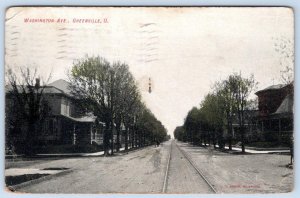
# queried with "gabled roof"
point(287, 105)
point(272, 87)
point(62, 85)
point(277, 87)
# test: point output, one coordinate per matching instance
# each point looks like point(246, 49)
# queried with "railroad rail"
point(167, 171)
point(188, 158)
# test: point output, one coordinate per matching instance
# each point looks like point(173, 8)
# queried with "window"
point(65, 107)
point(94, 131)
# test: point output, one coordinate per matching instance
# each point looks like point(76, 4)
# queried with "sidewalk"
point(97, 154)
point(267, 151)
point(254, 150)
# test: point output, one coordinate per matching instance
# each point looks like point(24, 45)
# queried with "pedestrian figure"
point(292, 149)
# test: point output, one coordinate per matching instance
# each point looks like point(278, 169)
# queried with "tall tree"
point(30, 107)
point(213, 110)
point(192, 125)
point(180, 134)
point(110, 91)
point(226, 90)
point(243, 88)
point(131, 107)
point(91, 81)
point(152, 129)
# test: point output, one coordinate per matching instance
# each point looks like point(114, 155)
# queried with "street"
point(163, 169)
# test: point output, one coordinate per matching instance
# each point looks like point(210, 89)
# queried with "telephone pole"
point(150, 90)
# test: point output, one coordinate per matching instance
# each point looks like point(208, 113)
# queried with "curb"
point(38, 180)
point(41, 156)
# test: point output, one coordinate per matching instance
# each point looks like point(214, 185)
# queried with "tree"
point(180, 134)
point(242, 89)
point(91, 82)
point(153, 130)
point(192, 125)
point(228, 99)
point(110, 91)
point(212, 109)
point(30, 107)
point(285, 49)
point(168, 137)
point(226, 91)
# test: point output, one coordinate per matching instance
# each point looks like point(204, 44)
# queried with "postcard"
point(174, 100)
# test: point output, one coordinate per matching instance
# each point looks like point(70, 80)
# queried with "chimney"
point(37, 83)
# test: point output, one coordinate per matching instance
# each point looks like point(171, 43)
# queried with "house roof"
point(272, 87)
point(62, 85)
point(287, 105)
point(59, 87)
point(47, 89)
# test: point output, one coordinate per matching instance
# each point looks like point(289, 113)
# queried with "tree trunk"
point(144, 138)
point(118, 128)
point(241, 124)
point(131, 138)
point(106, 139)
point(229, 130)
point(243, 139)
point(215, 137)
point(126, 138)
point(136, 138)
point(141, 139)
point(112, 138)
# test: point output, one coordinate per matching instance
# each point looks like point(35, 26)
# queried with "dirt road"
point(249, 173)
point(137, 172)
point(144, 171)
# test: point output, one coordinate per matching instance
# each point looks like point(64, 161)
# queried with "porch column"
point(279, 129)
point(74, 134)
point(91, 132)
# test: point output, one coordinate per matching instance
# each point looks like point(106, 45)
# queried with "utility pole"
point(150, 90)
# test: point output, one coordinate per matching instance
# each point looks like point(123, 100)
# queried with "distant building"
point(67, 123)
point(276, 114)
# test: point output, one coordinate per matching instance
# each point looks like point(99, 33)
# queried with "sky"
point(184, 51)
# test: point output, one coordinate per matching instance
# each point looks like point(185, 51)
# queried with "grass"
point(14, 180)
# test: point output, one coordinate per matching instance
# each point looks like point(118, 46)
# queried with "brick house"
point(276, 113)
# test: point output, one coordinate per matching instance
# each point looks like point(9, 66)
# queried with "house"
point(276, 114)
point(250, 125)
point(67, 123)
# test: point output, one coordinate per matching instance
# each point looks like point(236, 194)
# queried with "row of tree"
point(213, 121)
point(111, 93)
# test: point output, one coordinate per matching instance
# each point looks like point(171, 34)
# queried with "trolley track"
point(191, 163)
point(164, 189)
